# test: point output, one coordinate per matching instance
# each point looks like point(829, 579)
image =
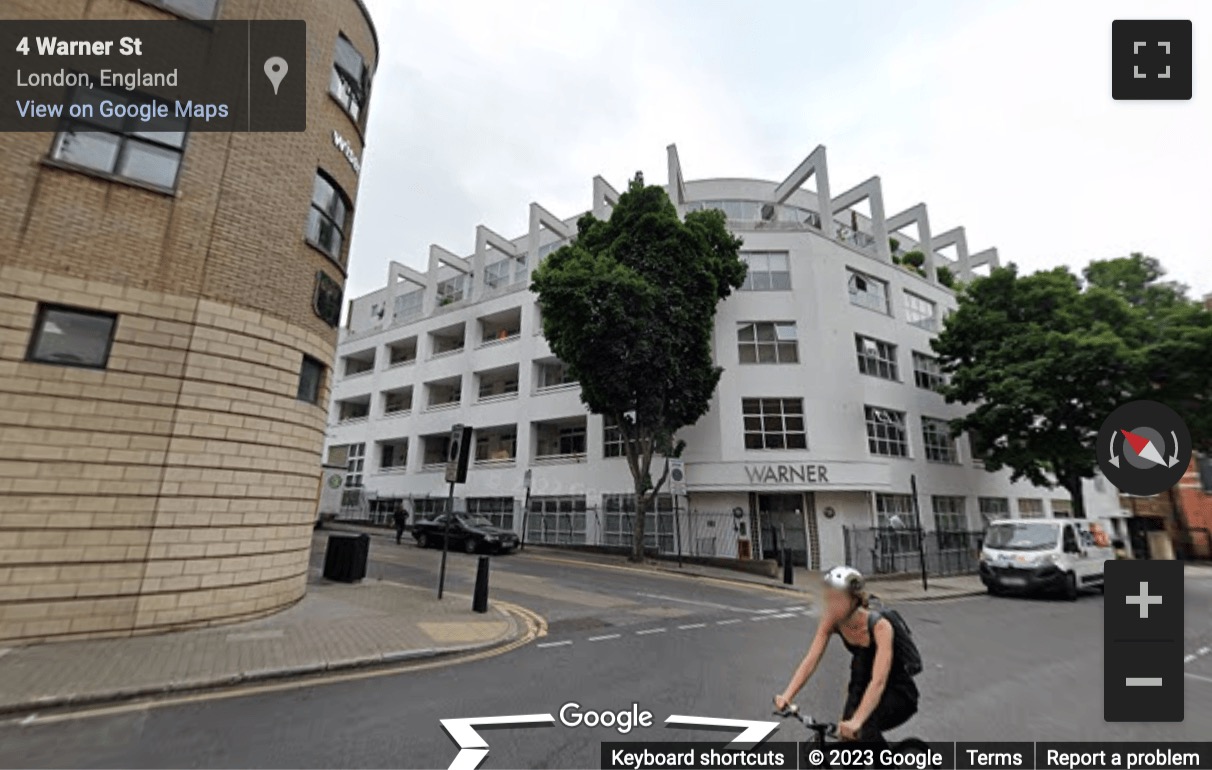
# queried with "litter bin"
point(345, 557)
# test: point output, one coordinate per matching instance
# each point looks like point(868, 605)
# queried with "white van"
point(1065, 555)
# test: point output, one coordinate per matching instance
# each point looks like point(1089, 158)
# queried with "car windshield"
point(474, 520)
point(1021, 537)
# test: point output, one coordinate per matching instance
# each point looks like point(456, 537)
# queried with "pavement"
point(335, 626)
point(996, 669)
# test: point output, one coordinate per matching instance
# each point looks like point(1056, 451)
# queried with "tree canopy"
point(1044, 358)
point(629, 307)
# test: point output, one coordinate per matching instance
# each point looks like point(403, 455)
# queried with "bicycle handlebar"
point(793, 712)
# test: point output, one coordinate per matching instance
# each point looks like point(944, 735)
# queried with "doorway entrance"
point(781, 518)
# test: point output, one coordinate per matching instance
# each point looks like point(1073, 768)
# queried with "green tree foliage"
point(1043, 358)
point(629, 307)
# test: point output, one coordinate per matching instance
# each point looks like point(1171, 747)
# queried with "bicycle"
point(910, 752)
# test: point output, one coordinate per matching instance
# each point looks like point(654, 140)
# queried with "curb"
point(226, 681)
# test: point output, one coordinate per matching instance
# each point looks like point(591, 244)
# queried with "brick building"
point(167, 314)
point(1182, 516)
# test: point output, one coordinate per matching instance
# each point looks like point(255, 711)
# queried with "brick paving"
point(334, 626)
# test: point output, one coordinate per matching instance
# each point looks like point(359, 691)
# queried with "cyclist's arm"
point(808, 665)
point(879, 673)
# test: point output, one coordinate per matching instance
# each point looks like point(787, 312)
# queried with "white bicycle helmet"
point(846, 579)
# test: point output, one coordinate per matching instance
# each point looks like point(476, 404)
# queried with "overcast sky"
point(998, 115)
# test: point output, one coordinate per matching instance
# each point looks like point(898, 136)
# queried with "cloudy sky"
point(998, 115)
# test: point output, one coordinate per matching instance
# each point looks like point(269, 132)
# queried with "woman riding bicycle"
point(881, 695)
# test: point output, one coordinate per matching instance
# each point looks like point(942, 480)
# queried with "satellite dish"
point(767, 212)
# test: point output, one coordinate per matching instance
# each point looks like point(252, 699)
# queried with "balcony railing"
point(442, 406)
point(502, 462)
point(559, 459)
point(511, 395)
point(499, 340)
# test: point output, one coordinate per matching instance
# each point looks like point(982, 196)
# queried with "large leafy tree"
point(629, 307)
point(1043, 358)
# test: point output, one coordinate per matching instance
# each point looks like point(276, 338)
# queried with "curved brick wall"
point(177, 486)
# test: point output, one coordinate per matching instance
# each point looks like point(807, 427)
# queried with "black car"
point(468, 531)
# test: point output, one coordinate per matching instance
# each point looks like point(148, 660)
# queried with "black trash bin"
point(345, 557)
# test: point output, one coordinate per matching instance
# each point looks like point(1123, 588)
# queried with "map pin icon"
point(275, 70)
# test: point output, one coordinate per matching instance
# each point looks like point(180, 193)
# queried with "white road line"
point(713, 605)
point(766, 612)
point(604, 637)
point(1188, 659)
point(648, 631)
point(553, 644)
point(1200, 678)
point(760, 617)
point(1204, 650)
point(690, 626)
point(784, 615)
point(799, 608)
point(728, 622)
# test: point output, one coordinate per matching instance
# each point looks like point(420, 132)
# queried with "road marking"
point(545, 645)
point(765, 612)
point(604, 637)
point(536, 627)
point(1200, 678)
point(1204, 650)
point(690, 626)
point(760, 617)
point(799, 608)
point(648, 631)
point(1188, 659)
point(728, 622)
point(784, 615)
point(712, 605)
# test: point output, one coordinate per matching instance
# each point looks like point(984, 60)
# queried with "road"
point(996, 669)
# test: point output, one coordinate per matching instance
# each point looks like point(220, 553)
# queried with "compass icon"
point(1144, 448)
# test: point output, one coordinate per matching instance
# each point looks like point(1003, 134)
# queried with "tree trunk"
point(1073, 485)
point(637, 528)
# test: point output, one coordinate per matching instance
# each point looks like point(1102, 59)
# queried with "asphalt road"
point(996, 669)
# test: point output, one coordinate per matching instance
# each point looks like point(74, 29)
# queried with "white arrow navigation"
point(1174, 457)
point(753, 731)
point(473, 748)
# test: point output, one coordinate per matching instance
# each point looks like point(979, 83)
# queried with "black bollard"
point(479, 602)
point(788, 570)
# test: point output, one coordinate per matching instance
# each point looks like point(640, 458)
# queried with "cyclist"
point(881, 694)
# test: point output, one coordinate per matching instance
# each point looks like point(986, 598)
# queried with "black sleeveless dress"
point(899, 701)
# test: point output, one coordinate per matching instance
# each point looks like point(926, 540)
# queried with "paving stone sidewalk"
point(334, 626)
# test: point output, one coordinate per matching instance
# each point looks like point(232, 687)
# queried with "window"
point(452, 290)
point(993, 508)
point(398, 401)
point(556, 519)
point(886, 432)
point(1030, 508)
point(876, 357)
point(894, 511)
point(868, 292)
point(122, 148)
point(774, 423)
point(937, 442)
point(572, 440)
point(1204, 464)
point(768, 271)
point(927, 373)
point(393, 455)
point(355, 464)
point(498, 510)
point(1062, 509)
point(767, 343)
point(612, 439)
point(502, 386)
point(920, 312)
point(428, 507)
point(328, 217)
point(620, 515)
point(949, 513)
point(190, 9)
point(326, 300)
point(71, 337)
point(311, 380)
point(553, 375)
point(496, 446)
point(350, 81)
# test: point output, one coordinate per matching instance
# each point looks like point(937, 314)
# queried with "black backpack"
point(903, 647)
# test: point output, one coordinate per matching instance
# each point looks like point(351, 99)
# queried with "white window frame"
point(780, 347)
point(886, 430)
point(860, 286)
point(937, 444)
point(762, 263)
point(774, 424)
point(927, 372)
point(921, 312)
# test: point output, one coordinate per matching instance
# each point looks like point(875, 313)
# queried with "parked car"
point(468, 531)
point(1021, 555)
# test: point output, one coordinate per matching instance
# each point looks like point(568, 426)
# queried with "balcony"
point(496, 447)
point(447, 341)
point(762, 215)
point(498, 328)
point(443, 394)
point(397, 402)
point(559, 441)
point(433, 451)
point(362, 362)
point(393, 455)
point(552, 375)
point(353, 409)
point(499, 384)
point(401, 352)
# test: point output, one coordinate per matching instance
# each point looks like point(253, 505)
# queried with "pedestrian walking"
point(401, 519)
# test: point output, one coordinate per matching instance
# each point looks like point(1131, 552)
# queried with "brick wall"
point(178, 485)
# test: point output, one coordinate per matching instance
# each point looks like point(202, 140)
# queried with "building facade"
point(827, 409)
point(168, 313)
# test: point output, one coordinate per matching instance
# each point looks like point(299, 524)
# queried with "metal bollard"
point(479, 601)
point(788, 570)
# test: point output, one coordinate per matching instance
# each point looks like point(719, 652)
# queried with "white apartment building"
point(826, 407)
